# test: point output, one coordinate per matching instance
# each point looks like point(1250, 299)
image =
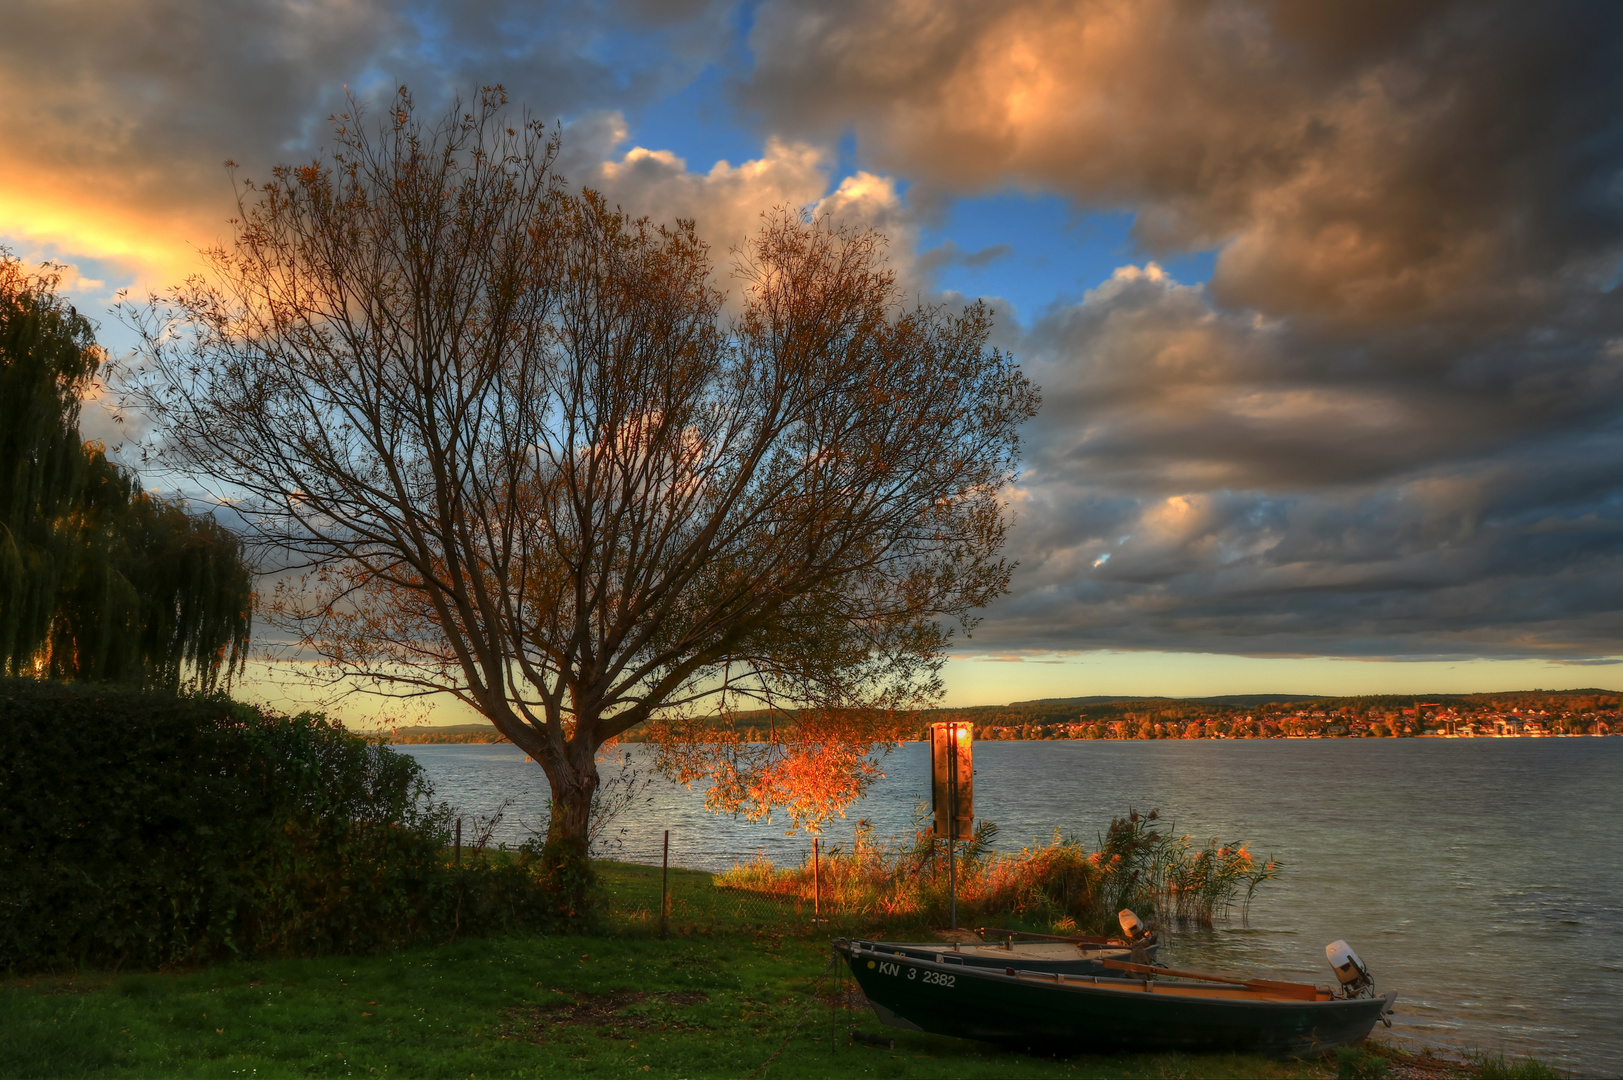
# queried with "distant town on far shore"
point(1518, 714)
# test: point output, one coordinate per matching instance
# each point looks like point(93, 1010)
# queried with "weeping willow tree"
point(99, 580)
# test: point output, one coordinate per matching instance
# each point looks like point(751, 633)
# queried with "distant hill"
point(1224, 699)
point(1048, 701)
point(421, 734)
point(1248, 700)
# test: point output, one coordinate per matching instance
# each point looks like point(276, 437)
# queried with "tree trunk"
point(573, 778)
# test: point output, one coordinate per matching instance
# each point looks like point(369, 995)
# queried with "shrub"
point(144, 828)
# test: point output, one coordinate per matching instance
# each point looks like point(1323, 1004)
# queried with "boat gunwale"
point(1204, 991)
point(993, 948)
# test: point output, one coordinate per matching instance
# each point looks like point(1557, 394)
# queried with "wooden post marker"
point(952, 794)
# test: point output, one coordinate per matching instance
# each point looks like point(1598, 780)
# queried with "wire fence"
point(690, 894)
point(694, 898)
point(704, 887)
point(701, 888)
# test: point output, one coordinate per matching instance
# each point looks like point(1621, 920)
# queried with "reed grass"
point(1136, 864)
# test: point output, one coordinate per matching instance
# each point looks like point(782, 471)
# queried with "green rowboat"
point(1054, 1011)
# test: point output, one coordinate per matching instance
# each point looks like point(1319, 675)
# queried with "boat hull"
point(1100, 1015)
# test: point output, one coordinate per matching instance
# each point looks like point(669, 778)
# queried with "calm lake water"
point(1482, 879)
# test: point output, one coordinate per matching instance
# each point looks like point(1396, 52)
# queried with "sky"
point(1323, 297)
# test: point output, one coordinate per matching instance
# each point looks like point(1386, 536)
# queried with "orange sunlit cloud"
point(157, 250)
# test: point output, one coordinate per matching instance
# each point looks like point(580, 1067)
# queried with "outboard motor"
point(1132, 927)
point(1354, 976)
point(1137, 935)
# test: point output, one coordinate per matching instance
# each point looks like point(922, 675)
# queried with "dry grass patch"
point(617, 1014)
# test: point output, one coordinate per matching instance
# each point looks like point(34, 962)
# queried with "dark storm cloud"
point(1206, 479)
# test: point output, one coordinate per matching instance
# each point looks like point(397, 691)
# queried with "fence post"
point(836, 1001)
point(664, 889)
point(459, 840)
point(817, 882)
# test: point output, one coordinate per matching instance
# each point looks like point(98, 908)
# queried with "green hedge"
point(143, 829)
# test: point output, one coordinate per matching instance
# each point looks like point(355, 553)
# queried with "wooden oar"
point(1267, 986)
point(1074, 939)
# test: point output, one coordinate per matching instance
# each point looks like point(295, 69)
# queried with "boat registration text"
point(931, 978)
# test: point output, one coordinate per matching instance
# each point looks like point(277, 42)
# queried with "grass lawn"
point(717, 999)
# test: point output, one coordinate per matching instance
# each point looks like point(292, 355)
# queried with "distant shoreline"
point(1518, 714)
point(492, 739)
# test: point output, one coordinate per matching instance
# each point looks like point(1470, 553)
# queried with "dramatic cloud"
point(1355, 161)
point(1391, 423)
point(118, 117)
point(726, 203)
point(119, 120)
point(1213, 480)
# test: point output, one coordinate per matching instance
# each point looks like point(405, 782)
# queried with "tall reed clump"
point(1135, 864)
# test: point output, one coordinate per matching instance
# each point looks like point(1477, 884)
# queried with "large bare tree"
point(536, 462)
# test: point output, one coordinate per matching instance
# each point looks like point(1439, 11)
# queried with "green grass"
point(717, 999)
point(1377, 1059)
point(1497, 1066)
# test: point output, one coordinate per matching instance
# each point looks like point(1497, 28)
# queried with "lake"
point(1482, 879)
